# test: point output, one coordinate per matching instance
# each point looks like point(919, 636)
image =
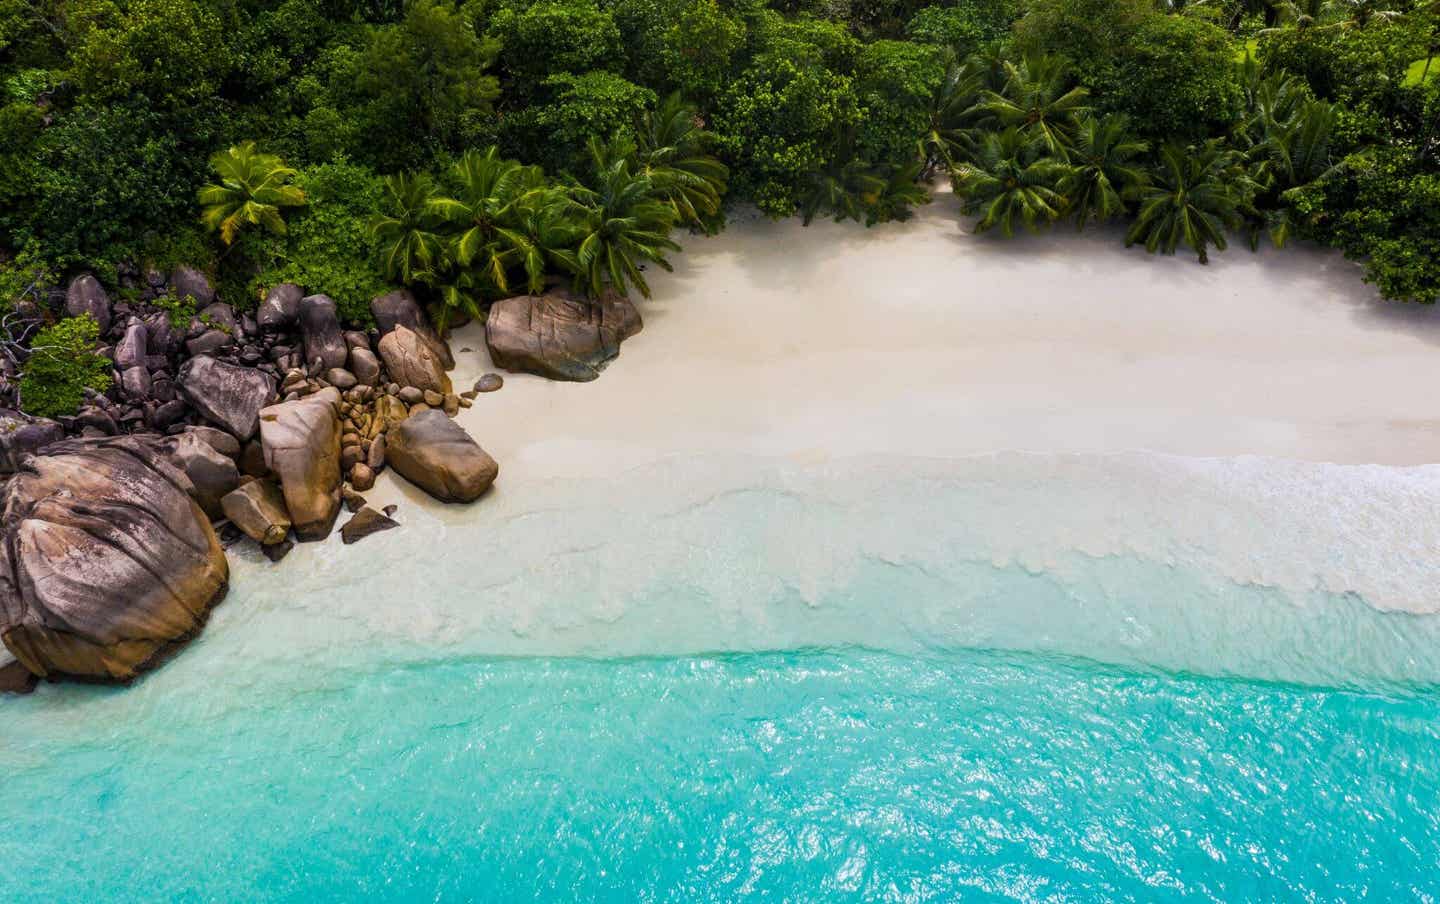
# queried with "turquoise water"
point(800, 776)
point(1014, 678)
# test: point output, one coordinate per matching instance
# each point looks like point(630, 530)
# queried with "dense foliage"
point(62, 365)
point(472, 148)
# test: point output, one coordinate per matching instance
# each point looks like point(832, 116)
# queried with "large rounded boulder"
point(559, 335)
point(399, 308)
point(106, 562)
point(437, 455)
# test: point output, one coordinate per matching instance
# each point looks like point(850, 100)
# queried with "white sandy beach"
point(921, 339)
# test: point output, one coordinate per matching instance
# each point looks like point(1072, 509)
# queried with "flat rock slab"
point(559, 335)
point(367, 521)
point(437, 455)
point(227, 394)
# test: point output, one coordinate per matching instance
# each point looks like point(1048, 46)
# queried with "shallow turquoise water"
point(1013, 678)
point(802, 776)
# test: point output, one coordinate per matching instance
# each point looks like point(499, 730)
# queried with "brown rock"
point(400, 308)
point(367, 521)
point(437, 455)
point(105, 560)
point(302, 449)
point(218, 440)
point(412, 362)
point(258, 509)
point(277, 551)
point(375, 458)
point(354, 502)
point(16, 679)
point(362, 477)
point(558, 335)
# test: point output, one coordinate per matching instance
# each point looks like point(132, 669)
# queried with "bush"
point(63, 364)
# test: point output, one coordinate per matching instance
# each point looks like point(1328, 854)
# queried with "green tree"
point(484, 213)
point(1010, 177)
point(1040, 100)
point(1196, 195)
point(1106, 171)
point(252, 189)
point(622, 226)
point(62, 365)
point(700, 46)
point(404, 231)
point(671, 153)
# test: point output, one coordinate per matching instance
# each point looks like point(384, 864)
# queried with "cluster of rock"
point(109, 555)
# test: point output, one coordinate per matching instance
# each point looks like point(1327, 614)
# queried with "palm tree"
point(898, 192)
point(1294, 152)
point(485, 213)
point(670, 151)
point(1038, 98)
point(1198, 193)
point(948, 135)
point(840, 187)
point(1104, 173)
point(622, 224)
point(252, 189)
point(1011, 177)
point(404, 232)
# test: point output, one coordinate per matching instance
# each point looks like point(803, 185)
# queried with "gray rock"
point(87, 296)
point(106, 562)
point(367, 521)
point(135, 383)
point(212, 474)
point(437, 455)
point(22, 436)
point(134, 349)
point(281, 307)
point(226, 394)
point(412, 395)
point(302, 448)
point(187, 282)
point(218, 440)
point(558, 335)
point(320, 330)
point(220, 316)
point(356, 339)
point(167, 414)
point(399, 308)
point(489, 383)
point(365, 366)
point(340, 378)
point(412, 362)
point(258, 509)
point(208, 343)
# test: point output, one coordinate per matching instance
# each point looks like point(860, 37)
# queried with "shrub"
point(63, 364)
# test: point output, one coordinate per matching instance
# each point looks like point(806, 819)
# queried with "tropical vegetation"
point(470, 149)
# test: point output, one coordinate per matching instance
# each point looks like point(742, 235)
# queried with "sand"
point(920, 338)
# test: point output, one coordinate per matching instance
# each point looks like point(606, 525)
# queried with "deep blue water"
point(824, 775)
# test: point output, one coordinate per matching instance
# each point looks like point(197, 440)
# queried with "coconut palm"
point(948, 134)
point(898, 192)
point(670, 151)
point(1039, 98)
point(404, 231)
point(252, 189)
point(1294, 152)
point(1010, 178)
point(1196, 195)
point(484, 214)
point(621, 225)
point(1105, 172)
